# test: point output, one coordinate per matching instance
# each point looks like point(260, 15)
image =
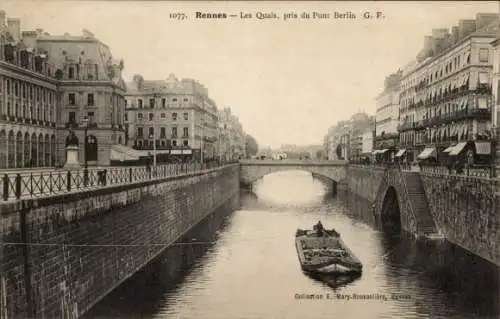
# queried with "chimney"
point(427, 43)
point(483, 19)
point(2, 19)
point(454, 34)
point(39, 32)
point(86, 33)
point(466, 27)
point(14, 27)
point(29, 38)
point(439, 33)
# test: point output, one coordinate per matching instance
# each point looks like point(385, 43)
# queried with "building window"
point(71, 99)
point(174, 99)
point(174, 131)
point(483, 55)
point(71, 117)
point(151, 103)
point(90, 116)
point(186, 99)
point(140, 132)
point(174, 143)
point(163, 103)
point(125, 102)
point(174, 116)
point(483, 78)
point(139, 115)
point(163, 132)
point(185, 116)
point(71, 73)
point(90, 99)
point(185, 132)
point(139, 103)
point(151, 116)
point(162, 115)
point(151, 132)
point(126, 117)
point(186, 142)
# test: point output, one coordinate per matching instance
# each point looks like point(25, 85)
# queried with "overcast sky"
point(288, 81)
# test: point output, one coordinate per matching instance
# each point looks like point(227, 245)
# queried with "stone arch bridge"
point(252, 170)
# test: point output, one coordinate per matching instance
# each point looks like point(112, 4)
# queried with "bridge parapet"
point(294, 162)
point(252, 170)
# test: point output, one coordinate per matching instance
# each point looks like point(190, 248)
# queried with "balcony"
point(71, 125)
point(456, 116)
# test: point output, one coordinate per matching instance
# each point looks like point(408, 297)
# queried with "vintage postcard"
point(249, 159)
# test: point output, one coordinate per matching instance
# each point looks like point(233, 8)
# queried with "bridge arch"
point(390, 214)
point(253, 170)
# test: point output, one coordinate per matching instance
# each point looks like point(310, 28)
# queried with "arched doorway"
point(40, 150)
point(27, 150)
point(53, 150)
point(3, 149)
point(91, 150)
point(11, 147)
point(34, 151)
point(47, 150)
point(390, 214)
point(19, 149)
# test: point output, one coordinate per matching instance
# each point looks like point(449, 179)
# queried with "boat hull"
point(325, 255)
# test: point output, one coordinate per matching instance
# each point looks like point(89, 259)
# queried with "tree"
point(252, 148)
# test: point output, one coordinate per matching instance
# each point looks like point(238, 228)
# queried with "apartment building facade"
point(446, 93)
point(48, 86)
point(173, 117)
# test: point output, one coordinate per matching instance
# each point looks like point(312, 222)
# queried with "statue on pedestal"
point(72, 151)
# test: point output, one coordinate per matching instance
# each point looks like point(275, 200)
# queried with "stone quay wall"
point(464, 209)
point(364, 182)
point(81, 246)
point(467, 211)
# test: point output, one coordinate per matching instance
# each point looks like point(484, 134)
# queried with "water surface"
point(244, 265)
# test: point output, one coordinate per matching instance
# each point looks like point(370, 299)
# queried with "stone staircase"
point(416, 194)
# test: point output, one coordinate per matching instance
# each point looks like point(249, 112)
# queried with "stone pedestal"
point(72, 157)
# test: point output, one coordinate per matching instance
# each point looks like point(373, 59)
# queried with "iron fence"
point(471, 171)
point(45, 183)
point(482, 171)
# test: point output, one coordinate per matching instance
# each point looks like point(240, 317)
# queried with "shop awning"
point(427, 153)
point(458, 148)
point(380, 151)
point(483, 148)
point(400, 153)
point(449, 148)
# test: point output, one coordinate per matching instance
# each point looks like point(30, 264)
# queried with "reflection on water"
point(251, 270)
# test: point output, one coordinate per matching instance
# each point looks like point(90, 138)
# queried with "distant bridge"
point(252, 170)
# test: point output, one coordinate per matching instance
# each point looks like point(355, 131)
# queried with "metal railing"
point(485, 171)
point(31, 185)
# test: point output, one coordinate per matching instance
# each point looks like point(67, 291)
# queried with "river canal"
point(241, 263)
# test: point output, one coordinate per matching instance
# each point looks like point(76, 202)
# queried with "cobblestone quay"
point(81, 246)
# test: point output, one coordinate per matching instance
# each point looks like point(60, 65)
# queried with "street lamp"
point(85, 150)
point(152, 136)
